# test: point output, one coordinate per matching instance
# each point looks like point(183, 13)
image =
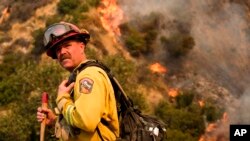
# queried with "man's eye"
point(58, 49)
point(67, 45)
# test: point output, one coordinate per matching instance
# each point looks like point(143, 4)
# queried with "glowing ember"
point(173, 92)
point(111, 16)
point(157, 68)
point(201, 103)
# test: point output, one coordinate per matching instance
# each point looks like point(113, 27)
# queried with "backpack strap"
point(99, 133)
point(121, 96)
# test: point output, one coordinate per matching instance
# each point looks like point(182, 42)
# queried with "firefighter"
point(89, 113)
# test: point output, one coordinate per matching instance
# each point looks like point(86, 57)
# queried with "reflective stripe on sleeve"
point(68, 113)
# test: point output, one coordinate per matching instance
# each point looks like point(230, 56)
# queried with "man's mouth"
point(64, 58)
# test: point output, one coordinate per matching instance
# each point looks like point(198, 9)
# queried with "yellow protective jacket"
point(93, 101)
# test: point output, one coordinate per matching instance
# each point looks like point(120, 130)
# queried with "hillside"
point(187, 62)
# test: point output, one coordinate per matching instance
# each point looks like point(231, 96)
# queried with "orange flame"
point(5, 14)
point(201, 103)
point(202, 138)
point(157, 68)
point(173, 92)
point(211, 127)
point(111, 16)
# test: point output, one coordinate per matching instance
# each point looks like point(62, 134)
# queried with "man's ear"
point(83, 47)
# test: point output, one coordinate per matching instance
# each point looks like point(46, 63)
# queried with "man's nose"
point(60, 51)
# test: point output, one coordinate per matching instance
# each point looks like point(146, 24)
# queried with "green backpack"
point(134, 126)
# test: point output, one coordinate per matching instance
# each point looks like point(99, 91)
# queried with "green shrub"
point(38, 48)
point(184, 99)
point(212, 112)
point(138, 99)
point(177, 135)
point(77, 17)
point(178, 45)
point(23, 76)
point(149, 38)
point(67, 6)
point(181, 120)
point(94, 3)
point(74, 9)
point(53, 19)
point(160, 110)
point(22, 85)
point(133, 39)
point(21, 123)
point(8, 67)
point(91, 53)
point(140, 34)
point(135, 43)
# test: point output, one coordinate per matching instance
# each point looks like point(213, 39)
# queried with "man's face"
point(70, 54)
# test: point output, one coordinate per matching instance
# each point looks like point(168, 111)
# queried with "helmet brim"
point(51, 51)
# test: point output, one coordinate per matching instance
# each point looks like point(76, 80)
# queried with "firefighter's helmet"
point(62, 31)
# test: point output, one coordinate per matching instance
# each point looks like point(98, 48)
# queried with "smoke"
point(241, 111)
point(221, 50)
point(168, 7)
point(220, 31)
point(219, 28)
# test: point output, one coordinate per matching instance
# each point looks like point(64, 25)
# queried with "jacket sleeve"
point(90, 90)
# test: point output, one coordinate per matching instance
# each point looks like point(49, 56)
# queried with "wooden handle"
point(45, 98)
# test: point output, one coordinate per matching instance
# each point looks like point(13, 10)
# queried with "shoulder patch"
point(86, 85)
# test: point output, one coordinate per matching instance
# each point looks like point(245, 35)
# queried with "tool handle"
point(45, 98)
